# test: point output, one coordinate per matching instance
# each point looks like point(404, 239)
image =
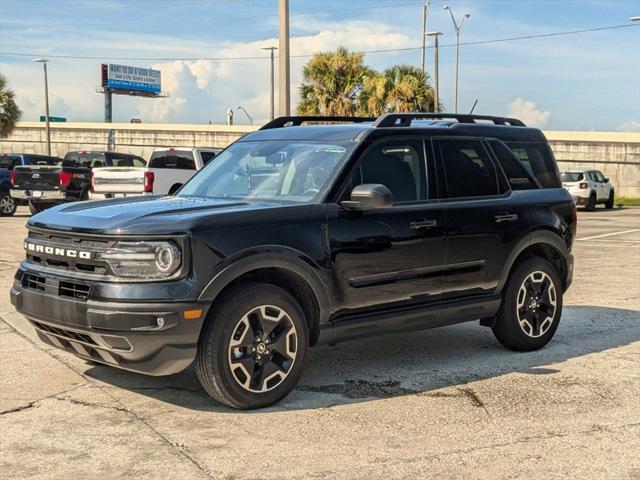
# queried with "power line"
point(307, 55)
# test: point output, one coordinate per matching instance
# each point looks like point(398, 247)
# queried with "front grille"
point(67, 334)
point(53, 244)
point(33, 282)
point(73, 290)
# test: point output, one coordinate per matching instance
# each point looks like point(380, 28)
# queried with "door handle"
point(507, 217)
point(418, 224)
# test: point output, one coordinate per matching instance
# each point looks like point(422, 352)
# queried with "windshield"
point(570, 176)
point(269, 170)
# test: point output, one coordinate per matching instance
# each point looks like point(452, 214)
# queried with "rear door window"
point(538, 159)
point(468, 169)
point(182, 160)
point(206, 156)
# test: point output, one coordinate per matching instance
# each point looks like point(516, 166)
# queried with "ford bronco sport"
point(302, 234)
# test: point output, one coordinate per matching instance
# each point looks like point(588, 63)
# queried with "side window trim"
point(440, 159)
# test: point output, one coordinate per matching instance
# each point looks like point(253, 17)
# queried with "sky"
point(582, 81)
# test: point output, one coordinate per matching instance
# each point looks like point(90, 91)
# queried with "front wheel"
point(610, 200)
point(531, 306)
point(8, 205)
point(251, 350)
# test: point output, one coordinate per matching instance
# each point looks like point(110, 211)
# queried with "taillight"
point(65, 179)
point(12, 178)
point(91, 182)
point(149, 177)
point(583, 186)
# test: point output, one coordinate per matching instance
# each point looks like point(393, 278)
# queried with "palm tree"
point(400, 88)
point(9, 111)
point(333, 84)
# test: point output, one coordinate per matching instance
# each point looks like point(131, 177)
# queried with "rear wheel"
point(591, 203)
point(531, 306)
point(610, 200)
point(174, 188)
point(252, 348)
point(8, 205)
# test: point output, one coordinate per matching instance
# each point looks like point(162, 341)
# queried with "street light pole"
point(247, 114)
point(44, 61)
point(425, 12)
point(271, 84)
point(284, 78)
point(436, 74)
point(457, 29)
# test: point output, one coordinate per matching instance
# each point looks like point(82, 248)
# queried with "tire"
point(525, 328)
point(591, 204)
point(36, 207)
point(235, 330)
point(8, 205)
point(610, 201)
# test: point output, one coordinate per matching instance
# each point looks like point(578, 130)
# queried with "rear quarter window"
point(538, 159)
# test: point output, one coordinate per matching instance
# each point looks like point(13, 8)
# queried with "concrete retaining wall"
point(617, 155)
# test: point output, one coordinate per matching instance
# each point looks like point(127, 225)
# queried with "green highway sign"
point(53, 119)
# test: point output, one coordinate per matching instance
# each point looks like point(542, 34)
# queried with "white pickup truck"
point(168, 169)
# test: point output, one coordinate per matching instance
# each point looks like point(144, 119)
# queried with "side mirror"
point(606, 180)
point(369, 196)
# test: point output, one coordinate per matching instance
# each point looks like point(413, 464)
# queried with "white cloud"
point(630, 126)
point(528, 112)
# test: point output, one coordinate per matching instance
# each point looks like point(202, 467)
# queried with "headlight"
point(146, 260)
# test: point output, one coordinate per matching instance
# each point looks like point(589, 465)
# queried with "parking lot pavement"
point(443, 403)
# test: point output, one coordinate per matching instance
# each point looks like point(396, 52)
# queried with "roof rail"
point(404, 119)
point(295, 121)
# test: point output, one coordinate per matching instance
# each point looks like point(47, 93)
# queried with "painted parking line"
point(610, 234)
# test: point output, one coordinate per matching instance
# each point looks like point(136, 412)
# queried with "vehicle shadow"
point(406, 364)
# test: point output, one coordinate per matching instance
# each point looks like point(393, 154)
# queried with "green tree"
point(333, 84)
point(400, 88)
point(9, 111)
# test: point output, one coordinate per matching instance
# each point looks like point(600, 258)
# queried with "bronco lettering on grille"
point(58, 251)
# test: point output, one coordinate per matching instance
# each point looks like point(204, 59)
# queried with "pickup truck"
point(167, 171)
point(8, 161)
point(66, 181)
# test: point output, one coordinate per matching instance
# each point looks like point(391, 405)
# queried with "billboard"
point(130, 79)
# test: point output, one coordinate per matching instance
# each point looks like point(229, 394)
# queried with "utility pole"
point(457, 29)
point(44, 61)
point(271, 84)
point(436, 74)
point(283, 62)
point(425, 12)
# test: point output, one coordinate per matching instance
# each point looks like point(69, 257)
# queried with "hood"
point(143, 215)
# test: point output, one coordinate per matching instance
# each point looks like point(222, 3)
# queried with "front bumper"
point(125, 335)
point(39, 195)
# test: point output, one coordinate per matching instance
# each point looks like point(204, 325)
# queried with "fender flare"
point(270, 257)
point(535, 237)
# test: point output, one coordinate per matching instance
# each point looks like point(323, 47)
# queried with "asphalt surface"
point(443, 403)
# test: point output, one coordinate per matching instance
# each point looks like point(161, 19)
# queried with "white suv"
point(588, 187)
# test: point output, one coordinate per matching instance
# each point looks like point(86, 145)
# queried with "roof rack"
point(295, 121)
point(404, 119)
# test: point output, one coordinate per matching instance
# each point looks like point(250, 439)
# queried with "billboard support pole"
point(107, 107)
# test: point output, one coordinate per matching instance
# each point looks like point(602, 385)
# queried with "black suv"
point(302, 234)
